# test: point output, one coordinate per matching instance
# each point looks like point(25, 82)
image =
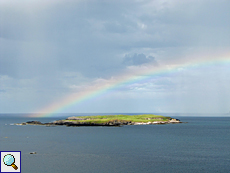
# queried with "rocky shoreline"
point(71, 122)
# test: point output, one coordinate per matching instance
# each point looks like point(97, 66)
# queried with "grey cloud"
point(115, 27)
point(87, 36)
point(138, 59)
point(42, 41)
point(27, 59)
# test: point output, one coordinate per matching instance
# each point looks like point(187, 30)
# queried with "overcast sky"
point(50, 49)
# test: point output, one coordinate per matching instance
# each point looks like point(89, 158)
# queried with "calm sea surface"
point(201, 145)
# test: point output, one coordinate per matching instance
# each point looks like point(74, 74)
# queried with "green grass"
point(127, 118)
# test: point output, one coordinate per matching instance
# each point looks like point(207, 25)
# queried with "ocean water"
point(201, 145)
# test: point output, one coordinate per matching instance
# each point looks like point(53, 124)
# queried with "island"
point(109, 120)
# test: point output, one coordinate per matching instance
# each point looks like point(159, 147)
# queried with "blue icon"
point(9, 160)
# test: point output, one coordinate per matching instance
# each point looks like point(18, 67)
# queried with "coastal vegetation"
point(128, 118)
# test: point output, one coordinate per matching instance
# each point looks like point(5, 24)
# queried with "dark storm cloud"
point(138, 59)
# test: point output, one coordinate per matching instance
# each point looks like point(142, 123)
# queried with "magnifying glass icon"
point(9, 160)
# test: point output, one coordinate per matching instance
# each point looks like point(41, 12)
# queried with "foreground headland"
point(108, 120)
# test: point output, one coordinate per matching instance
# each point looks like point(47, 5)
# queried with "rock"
point(34, 122)
point(33, 152)
point(173, 120)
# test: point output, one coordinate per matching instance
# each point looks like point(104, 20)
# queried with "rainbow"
point(129, 77)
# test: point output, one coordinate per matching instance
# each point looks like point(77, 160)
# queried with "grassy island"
point(145, 118)
point(109, 120)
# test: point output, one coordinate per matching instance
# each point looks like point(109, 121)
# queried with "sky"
point(53, 51)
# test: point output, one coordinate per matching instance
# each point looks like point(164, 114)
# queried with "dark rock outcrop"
point(33, 152)
point(34, 122)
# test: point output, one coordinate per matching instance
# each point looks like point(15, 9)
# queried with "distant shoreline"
point(109, 120)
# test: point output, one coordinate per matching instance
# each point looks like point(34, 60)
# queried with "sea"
point(201, 145)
